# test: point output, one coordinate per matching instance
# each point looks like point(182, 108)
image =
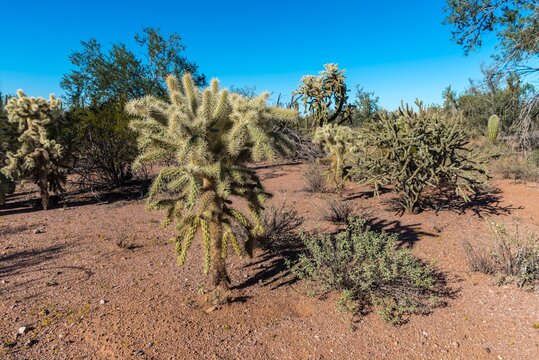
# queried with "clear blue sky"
point(398, 49)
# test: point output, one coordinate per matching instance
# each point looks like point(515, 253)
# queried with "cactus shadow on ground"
point(19, 203)
point(271, 270)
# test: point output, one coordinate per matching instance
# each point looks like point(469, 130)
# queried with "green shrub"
point(369, 271)
point(511, 255)
point(517, 166)
point(416, 150)
point(107, 146)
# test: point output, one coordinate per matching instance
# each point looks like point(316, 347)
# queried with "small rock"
point(30, 343)
point(212, 309)
point(23, 330)
point(39, 231)
point(456, 344)
point(138, 353)
point(102, 302)
point(488, 350)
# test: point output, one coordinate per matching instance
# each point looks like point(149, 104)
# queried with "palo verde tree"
point(205, 137)
point(42, 153)
point(514, 22)
point(101, 82)
point(324, 97)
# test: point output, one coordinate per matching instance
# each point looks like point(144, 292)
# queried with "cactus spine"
point(206, 136)
point(493, 127)
point(38, 157)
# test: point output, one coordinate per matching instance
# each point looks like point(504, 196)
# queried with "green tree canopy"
point(514, 22)
point(101, 76)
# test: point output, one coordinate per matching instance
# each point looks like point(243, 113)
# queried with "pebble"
point(39, 231)
point(23, 330)
point(102, 302)
point(212, 309)
point(30, 342)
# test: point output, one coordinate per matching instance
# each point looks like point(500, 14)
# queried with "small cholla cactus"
point(493, 127)
point(325, 97)
point(39, 156)
point(205, 137)
point(341, 144)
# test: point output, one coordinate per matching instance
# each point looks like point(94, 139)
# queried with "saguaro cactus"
point(493, 127)
point(39, 157)
point(206, 137)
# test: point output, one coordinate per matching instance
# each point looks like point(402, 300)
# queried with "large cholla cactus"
point(204, 138)
point(324, 96)
point(40, 155)
point(341, 144)
point(412, 151)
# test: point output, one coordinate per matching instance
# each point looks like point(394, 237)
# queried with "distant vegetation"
point(129, 110)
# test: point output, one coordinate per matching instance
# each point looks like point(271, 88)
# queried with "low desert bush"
point(365, 266)
point(315, 180)
point(281, 224)
point(516, 167)
point(338, 211)
point(510, 255)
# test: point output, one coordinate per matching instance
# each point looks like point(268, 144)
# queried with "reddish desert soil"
point(63, 275)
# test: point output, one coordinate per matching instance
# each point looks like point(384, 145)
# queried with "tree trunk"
point(42, 181)
point(219, 277)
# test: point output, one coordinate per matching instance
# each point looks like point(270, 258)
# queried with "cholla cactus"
point(414, 150)
point(205, 137)
point(39, 157)
point(341, 144)
point(324, 96)
point(493, 127)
